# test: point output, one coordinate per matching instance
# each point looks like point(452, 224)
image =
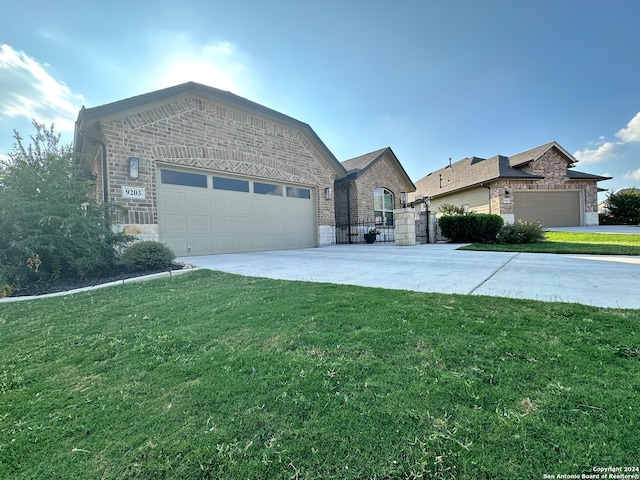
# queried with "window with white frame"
point(383, 207)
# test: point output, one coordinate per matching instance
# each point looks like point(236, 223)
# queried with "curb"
point(153, 276)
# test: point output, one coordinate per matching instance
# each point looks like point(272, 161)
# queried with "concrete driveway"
point(605, 281)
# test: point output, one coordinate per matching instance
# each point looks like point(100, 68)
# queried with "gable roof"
point(358, 166)
point(537, 152)
point(89, 117)
point(475, 171)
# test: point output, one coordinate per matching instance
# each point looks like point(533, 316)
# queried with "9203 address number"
point(133, 192)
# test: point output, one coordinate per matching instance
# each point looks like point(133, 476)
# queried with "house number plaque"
point(137, 193)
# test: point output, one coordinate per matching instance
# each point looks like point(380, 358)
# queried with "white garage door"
point(555, 208)
point(201, 213)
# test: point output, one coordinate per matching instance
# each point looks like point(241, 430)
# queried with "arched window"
point(383, 207)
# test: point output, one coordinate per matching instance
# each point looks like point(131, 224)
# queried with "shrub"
point(451, 209)
point(50, 226)
point(521, 232)
point(624, 207)
point(147, 255)
point(474, 227)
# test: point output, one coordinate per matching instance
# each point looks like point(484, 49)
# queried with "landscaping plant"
point(472, 227)
point(50, 225)
point(521, 232)
point(147, 255)
point(624, 207)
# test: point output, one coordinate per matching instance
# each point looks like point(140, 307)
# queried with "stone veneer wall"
point(193, 132)
point(404, 222)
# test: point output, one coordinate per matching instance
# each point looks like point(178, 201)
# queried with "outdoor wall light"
point(403, 199)
point(134, 164)
point(328, 193)
point(507, 193)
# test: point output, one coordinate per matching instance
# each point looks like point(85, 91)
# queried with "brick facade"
point(200, 133)
point(382, 174)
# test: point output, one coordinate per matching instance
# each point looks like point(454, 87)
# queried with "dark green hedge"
point(472, 228)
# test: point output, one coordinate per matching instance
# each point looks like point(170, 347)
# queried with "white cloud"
point(605, 151)
point(631, 133)
point(27, 90)
point(633, 175)
point(217, 64)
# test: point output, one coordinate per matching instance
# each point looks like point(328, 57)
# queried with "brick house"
point(205, 171)
point(376, 184)
point(538, 185)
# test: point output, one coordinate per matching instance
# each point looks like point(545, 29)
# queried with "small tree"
point(50, 225)
point(624, 207)
point(451, 209)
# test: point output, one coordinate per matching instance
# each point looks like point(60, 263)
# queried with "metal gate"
point(354, 232)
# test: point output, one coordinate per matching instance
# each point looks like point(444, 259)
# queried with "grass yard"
point(569, 242)
point(213, 375)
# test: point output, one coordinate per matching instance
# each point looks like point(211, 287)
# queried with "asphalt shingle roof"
point(476, 171)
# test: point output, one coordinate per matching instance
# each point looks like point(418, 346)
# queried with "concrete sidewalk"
point(605, 281)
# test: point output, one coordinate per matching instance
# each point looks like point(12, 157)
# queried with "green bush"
point(50, 226)
point(474, 227)
point(521, 232)
point(147, 255)
point(451, 209)
point(624, 207)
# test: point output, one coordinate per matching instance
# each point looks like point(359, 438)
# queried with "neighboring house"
point(205, 171)
point(375, 185)
point(538, 185)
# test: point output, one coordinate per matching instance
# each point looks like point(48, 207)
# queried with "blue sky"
point(432, 79)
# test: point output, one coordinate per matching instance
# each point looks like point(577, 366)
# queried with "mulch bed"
point(64, 285)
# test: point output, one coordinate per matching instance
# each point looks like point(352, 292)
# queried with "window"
point(233, 184)
point(383, 207)
point(296, 192)
point(267, 189)
point(174, 177)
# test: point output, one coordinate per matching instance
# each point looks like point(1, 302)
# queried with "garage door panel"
point(550, 208)
point(241, 225)
point(242, 243)
point(197, 221)
point(240, 205)
point(177, 244)
point(174, 200)
point(201, 245)
point(260, 224)
point(198, 202)
point(174, 223)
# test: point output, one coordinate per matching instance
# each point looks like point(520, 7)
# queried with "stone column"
point(404, 220)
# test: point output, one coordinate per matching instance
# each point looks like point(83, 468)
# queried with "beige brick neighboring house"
point(206, 171)
point(538, 185)
point(374, 186)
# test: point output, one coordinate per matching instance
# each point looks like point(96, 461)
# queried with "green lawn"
point(567, 242)
point(212, 375)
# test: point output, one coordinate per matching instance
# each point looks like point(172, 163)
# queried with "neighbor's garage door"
point(201, 213)
point(550, 208)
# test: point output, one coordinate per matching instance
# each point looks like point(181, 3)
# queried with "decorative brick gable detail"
point(196, 133)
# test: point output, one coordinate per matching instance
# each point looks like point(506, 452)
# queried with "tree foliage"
point(624, 207)
point(50, 225)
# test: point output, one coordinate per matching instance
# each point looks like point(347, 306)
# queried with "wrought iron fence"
point(354, 232)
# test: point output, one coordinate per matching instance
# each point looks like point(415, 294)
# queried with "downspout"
point(103, 151)
point(489, 192)
point(349, 212)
